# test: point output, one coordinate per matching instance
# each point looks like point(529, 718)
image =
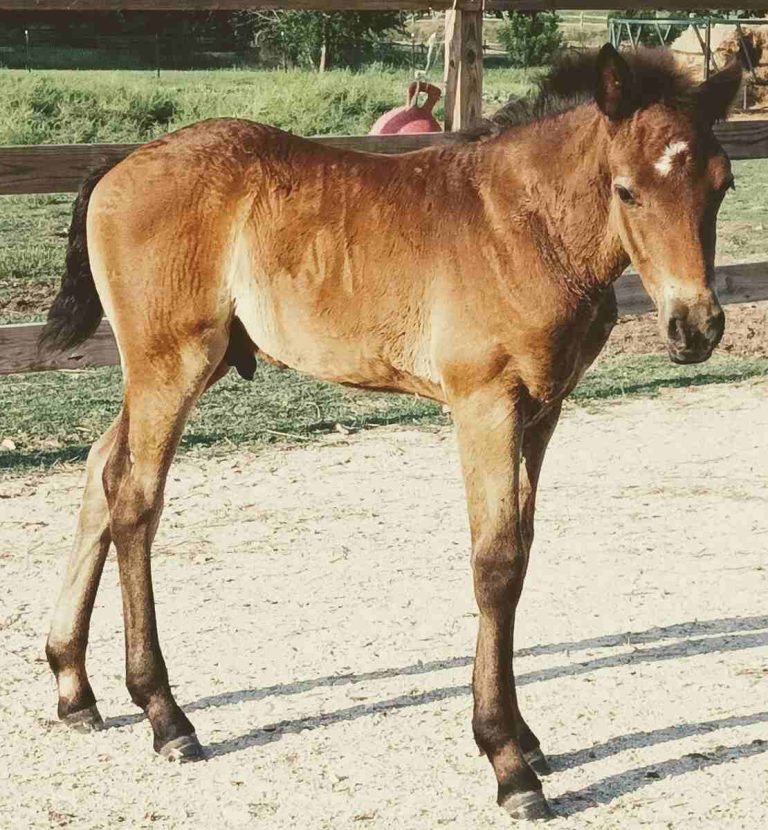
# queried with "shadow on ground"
point(612, 787)
point(684, 640)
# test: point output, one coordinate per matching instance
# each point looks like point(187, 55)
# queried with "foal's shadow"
point(685, 640)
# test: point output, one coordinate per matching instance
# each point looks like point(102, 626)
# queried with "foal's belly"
point(335, 339)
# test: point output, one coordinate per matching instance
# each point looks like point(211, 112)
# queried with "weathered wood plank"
point(19, 351)
point(463, 69)
point(744, 282)
point(741, 283)
point(54, 168)
point(228, 5)
point(341, 5)
point(744, 139)
point(587, 5)
point(59, 168)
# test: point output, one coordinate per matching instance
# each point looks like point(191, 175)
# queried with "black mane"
point(572, 79)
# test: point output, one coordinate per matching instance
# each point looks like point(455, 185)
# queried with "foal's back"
point(337, 263)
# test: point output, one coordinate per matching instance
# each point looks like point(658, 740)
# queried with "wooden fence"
point(61, 168)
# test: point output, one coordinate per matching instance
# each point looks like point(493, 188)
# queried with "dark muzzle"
point(693, 333)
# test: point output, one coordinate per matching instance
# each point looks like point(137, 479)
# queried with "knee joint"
point(498, 554)
point(498, 565)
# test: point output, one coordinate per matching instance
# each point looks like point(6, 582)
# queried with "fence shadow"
point(614, 786)
point(640, 740)
point(719, 636)
point(726, 628)
point(711, 636)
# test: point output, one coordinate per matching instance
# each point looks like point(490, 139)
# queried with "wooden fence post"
point(463, 68)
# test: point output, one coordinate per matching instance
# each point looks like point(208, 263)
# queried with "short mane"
point(571, 81)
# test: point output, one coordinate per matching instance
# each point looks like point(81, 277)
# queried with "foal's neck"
point(562, 164)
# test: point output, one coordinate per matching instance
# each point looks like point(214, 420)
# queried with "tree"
point(531, 38)
point(321, 39)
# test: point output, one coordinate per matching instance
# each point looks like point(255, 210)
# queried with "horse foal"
point(478, 275)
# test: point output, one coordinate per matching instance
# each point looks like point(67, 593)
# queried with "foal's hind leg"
point(68, 638)
point(535, 441)
point(158, 398)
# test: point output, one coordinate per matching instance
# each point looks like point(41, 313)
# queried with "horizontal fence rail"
point(237, 5)
point(746, 282)
point(349, 5)
point(60, 168)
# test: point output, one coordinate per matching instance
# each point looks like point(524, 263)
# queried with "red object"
point(411, 118)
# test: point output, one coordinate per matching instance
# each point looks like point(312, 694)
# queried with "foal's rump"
point(145, 241)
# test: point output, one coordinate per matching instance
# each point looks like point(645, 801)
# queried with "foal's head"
point(668, 178)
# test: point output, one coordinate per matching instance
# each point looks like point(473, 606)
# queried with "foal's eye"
point(625, 194)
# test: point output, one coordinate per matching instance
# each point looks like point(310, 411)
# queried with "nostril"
point(676, 330)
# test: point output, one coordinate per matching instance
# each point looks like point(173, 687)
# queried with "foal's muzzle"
point(693, 331)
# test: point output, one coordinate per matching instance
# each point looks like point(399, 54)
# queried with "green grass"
point(647, 375)
point(742, 228)
point(33, 233)
point(61, 106)
point(53, 417)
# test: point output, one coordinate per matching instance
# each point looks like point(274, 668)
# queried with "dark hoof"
point(530, 806)
point(184, 749)
point(537, 761)
point(86, 720)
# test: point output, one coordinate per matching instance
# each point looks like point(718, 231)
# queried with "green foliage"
point(52, 107)
point(322, 39)
point(62, 107)
point(41, 110)
point(531, 39)
point(181, 40)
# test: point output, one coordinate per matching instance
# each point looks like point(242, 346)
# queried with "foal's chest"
point(557, 367)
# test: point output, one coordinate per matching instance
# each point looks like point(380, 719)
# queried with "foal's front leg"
point(489, 429)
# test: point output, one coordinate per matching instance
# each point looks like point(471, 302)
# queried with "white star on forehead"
point(671, 151)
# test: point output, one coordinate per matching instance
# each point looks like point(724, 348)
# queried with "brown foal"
point(478, 275)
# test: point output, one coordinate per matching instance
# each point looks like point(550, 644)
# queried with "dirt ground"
point(316, 611)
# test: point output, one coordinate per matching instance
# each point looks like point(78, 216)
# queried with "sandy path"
point(316, 611)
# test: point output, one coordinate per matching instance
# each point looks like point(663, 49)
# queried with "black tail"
point(76, 311)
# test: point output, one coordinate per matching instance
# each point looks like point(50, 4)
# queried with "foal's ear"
point(614, 88)
point(716, 94)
